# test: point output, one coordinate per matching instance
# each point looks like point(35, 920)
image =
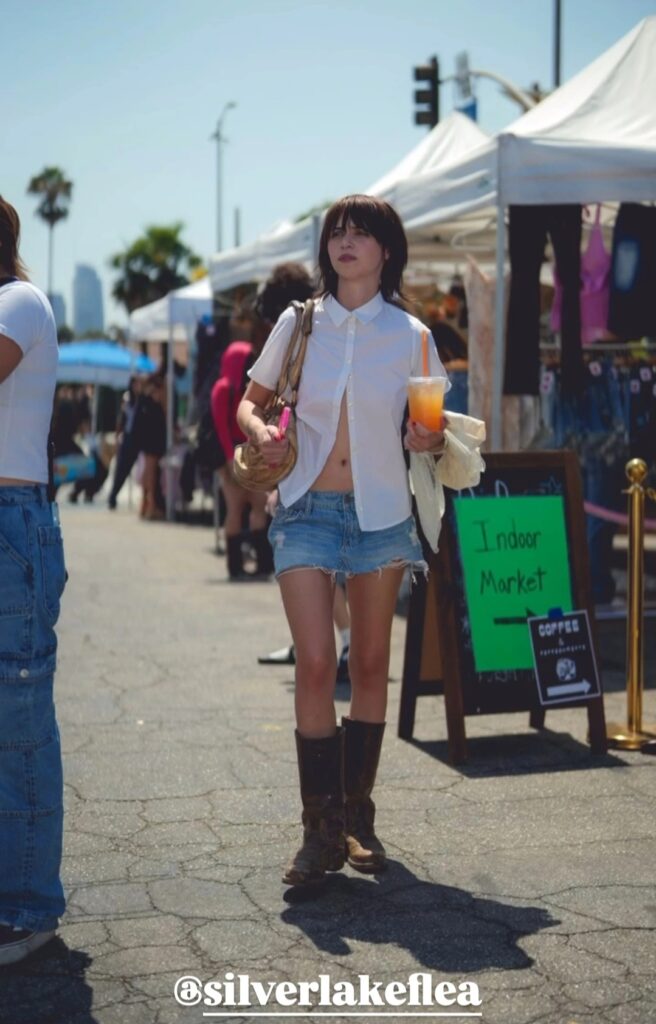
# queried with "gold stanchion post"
point(633, 735)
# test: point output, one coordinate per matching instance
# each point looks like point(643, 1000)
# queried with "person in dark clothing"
point(88, 486)
point(91, 485)
point(128, 448)
point(151, 438)
point(64, 425)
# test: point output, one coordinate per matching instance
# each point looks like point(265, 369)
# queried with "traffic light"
point(427, 99)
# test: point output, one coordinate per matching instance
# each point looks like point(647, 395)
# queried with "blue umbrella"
point(100, 362)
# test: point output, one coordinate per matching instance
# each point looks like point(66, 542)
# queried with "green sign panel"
point(515, 565)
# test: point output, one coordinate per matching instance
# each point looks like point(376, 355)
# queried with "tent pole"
point(499, 332)
point(169, 425)
point(94, 409)
point(316, 237)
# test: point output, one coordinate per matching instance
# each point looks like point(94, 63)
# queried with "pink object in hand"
point(284, 421)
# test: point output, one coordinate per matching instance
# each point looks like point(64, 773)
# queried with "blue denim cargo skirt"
point(321, 531)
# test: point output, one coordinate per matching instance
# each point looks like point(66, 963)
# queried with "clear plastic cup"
point(426, 400)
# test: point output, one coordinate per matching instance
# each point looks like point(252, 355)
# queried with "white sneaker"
point(16, 945)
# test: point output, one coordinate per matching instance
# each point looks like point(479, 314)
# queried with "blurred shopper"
point(226, 395)
point(345, 506)
point(126, 439)
point(32, 578)
point(151, 439)
point(63, 429)
point(96, 447)
point(288, 281)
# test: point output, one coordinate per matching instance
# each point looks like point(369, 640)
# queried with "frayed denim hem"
point(415, 567)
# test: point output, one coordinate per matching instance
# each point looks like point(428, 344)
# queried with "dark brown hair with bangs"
point(380, 220)
point(9, 239)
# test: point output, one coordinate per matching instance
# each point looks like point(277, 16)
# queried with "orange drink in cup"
point(426, 400)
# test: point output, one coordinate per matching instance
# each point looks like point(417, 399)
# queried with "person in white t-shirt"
point(345, 507)
point(32, 578)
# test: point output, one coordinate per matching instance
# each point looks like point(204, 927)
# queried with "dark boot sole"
point(368, 867)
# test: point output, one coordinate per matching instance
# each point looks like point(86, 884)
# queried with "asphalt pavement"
point(529, 871)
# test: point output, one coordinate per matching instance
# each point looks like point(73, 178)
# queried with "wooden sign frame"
point(435, 659)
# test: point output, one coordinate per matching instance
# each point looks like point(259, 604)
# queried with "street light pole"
point(557, 41)
point(218, 135)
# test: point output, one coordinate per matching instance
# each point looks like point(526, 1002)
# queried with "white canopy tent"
point(592, 140)
point(450, 140)
point(174, 317)
point(287, 241)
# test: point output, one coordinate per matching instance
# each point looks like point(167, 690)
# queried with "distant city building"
point(87, 300)
point(58, 308)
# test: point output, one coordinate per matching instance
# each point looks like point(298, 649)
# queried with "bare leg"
point(151, 469)
point(307, 595)
point(372, 600)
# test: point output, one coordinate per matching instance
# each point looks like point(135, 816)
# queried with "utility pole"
point(237, 227)
point(220, 139)
point(557, 40)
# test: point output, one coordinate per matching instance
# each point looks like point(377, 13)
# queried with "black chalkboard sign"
point(512, 548)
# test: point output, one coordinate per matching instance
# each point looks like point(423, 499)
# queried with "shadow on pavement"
point(48, 988)
point(533, 753)
point(443, 928)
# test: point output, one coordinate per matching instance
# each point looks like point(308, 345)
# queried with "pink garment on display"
point(595, 287)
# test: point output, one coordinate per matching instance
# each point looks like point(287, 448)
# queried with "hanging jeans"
point(593, 424)
point(527, 235)
point(632, 310)
point(32, 577)
point(604, 450)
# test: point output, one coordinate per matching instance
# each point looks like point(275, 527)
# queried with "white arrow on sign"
point(567, 689)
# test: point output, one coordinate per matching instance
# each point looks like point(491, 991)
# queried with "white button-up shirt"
point(368, 354)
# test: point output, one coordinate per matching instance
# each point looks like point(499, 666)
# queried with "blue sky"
point(124, 97)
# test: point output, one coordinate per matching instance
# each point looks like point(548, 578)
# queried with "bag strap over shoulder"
point(290, 373)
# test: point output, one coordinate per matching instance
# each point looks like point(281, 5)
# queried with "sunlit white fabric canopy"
point(254, 262)
point(174, 317)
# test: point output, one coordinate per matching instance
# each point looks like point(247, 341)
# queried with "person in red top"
point(226, 396)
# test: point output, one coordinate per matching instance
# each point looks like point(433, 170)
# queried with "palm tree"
point(55, 191)
point(152, 266)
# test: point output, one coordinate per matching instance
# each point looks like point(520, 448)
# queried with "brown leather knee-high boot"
point(362, 745)
point(322, 792)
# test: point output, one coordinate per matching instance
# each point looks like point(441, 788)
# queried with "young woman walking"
point(345, 507)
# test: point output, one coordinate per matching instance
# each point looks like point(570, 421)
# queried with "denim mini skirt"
point(321, 531)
